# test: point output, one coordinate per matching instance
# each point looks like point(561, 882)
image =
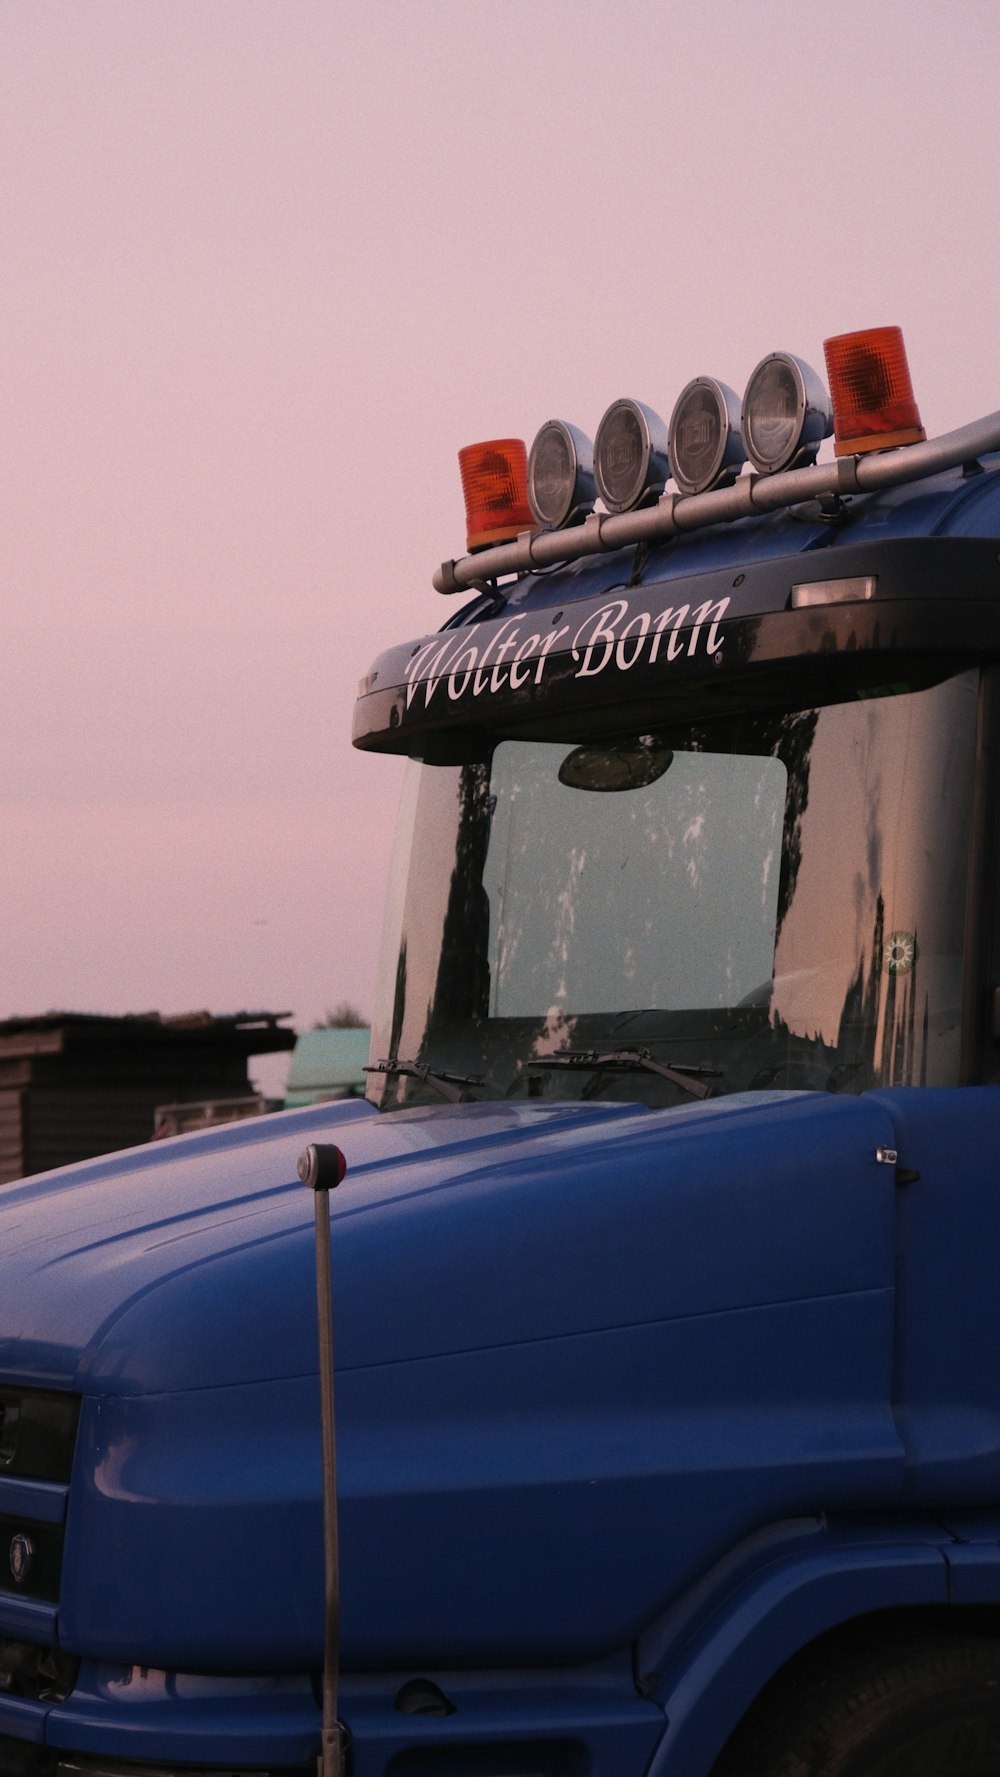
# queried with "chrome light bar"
point(748, 497)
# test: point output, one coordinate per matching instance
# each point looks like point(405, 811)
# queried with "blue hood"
point(189, 1263)
point(546, 1317)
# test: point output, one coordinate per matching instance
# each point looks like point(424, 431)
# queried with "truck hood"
point(189, 1264)
point(581, 1350)
point(157, 1240)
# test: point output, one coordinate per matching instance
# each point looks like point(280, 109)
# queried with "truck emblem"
point(22, 1553)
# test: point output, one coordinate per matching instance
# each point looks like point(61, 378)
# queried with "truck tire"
point(913, 1708)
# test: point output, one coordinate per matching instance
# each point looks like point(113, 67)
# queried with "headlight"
point(706, 449)
point(561, 486)
point(786, 414)
point(631, 463)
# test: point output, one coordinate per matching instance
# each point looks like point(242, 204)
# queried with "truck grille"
point(37, 1433)
point(41, 1673)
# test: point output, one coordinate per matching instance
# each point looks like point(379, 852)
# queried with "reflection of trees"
point(463, 979)
point(398, 1001)
point(878, 1024)
point(792, 737)
point(859, 1017)
point(899, 1042)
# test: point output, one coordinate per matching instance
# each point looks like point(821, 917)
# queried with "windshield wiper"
point(689, 1079)
point(449, 1085)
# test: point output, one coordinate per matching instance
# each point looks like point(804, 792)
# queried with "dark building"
point(73, 1085)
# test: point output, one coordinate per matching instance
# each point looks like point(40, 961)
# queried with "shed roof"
point(51, 1033)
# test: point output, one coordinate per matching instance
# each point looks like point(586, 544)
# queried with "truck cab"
point(666, 1329)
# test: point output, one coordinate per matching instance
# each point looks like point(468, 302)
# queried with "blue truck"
point(665, 1267)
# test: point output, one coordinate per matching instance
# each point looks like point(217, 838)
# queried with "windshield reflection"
point(778, 898)
point(583, 889)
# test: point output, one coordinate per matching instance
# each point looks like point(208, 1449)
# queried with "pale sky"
point(266, 265)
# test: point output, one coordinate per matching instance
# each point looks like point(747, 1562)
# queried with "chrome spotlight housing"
point(561, 487)
point(631, 462)
point(706, 446)
point(786, 414)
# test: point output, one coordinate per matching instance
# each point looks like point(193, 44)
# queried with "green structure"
point(327, 1064)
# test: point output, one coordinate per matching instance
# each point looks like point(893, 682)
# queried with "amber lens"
point(495, 485)
point(873, 402)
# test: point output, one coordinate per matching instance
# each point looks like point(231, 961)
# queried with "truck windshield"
point(762, 900)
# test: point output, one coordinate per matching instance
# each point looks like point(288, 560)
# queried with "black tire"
point(913, 1708)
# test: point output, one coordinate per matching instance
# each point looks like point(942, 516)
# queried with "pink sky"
point(266, 265)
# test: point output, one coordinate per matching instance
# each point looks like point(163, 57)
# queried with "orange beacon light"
point(495, 485)
point(873, 403)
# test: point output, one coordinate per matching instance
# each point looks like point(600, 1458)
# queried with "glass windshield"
point(768, 900)
point(581, 922)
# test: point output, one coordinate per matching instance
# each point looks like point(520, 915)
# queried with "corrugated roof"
point(251, 1033)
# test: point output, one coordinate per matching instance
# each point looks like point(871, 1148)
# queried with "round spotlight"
point(630, 456)
point(561, 487)
point(706, 449)
point(786, 414)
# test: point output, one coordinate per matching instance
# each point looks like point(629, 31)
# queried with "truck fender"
point(706, 1664)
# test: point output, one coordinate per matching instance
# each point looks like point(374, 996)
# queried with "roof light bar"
point(749, 497)
point(706, 449)
point(561, 487)
point(873, 402)
point(786, 414)
point(495, 485)
point(631, 464)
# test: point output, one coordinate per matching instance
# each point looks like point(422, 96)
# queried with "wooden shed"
point(74, 1085)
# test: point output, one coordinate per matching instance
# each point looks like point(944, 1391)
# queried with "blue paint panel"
point(87, 1243)
point(196, 1526)
point(948, 1339)
point(670, 1212)
point(27, 1619)
point(563, 1333)
point(784, 1605)
point(581, 1726)
point(556, 1335)
point(22, 1719)
point(592, 1718)
point(974, 1570)
point(544, 1504)
point(132, 1712)
point(471, 1489)
point(45, 1501)
point(221, 1254)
